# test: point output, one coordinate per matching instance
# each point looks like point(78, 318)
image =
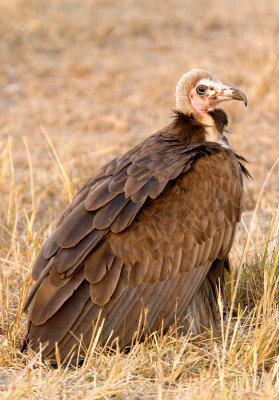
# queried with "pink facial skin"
point(217, 92)
point(201, 103)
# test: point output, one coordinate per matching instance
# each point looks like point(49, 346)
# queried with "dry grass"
point(84, 81)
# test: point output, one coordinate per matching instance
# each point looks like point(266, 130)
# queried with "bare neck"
point(212, 133)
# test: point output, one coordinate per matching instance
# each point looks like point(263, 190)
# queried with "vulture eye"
point(201, 89)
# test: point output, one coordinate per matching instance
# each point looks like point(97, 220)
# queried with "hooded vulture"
point(145, 242)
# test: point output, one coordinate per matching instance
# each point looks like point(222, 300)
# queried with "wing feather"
point(125, 218)
point(68, 258)
point(102, 291)
point(98, 263)
point(58, 325)
point(154, 219)
point(99, 196)
point(144, 191)
point(107, 214)
point(40, 262)
point(77, 225)
point(49, 298)
point(51, 247)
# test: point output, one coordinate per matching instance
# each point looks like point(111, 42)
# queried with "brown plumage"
point(151, 230)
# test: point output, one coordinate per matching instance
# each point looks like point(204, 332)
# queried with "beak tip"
point(239, 95)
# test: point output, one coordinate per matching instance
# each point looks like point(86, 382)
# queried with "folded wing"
point(143, 232)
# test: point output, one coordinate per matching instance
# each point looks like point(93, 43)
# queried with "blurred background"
point(98, 76)
point(82, 81)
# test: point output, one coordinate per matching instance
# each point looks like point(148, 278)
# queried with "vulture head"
point(198, 93)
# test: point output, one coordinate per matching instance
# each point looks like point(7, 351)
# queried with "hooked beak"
point(237, 94)
point(228, 93)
